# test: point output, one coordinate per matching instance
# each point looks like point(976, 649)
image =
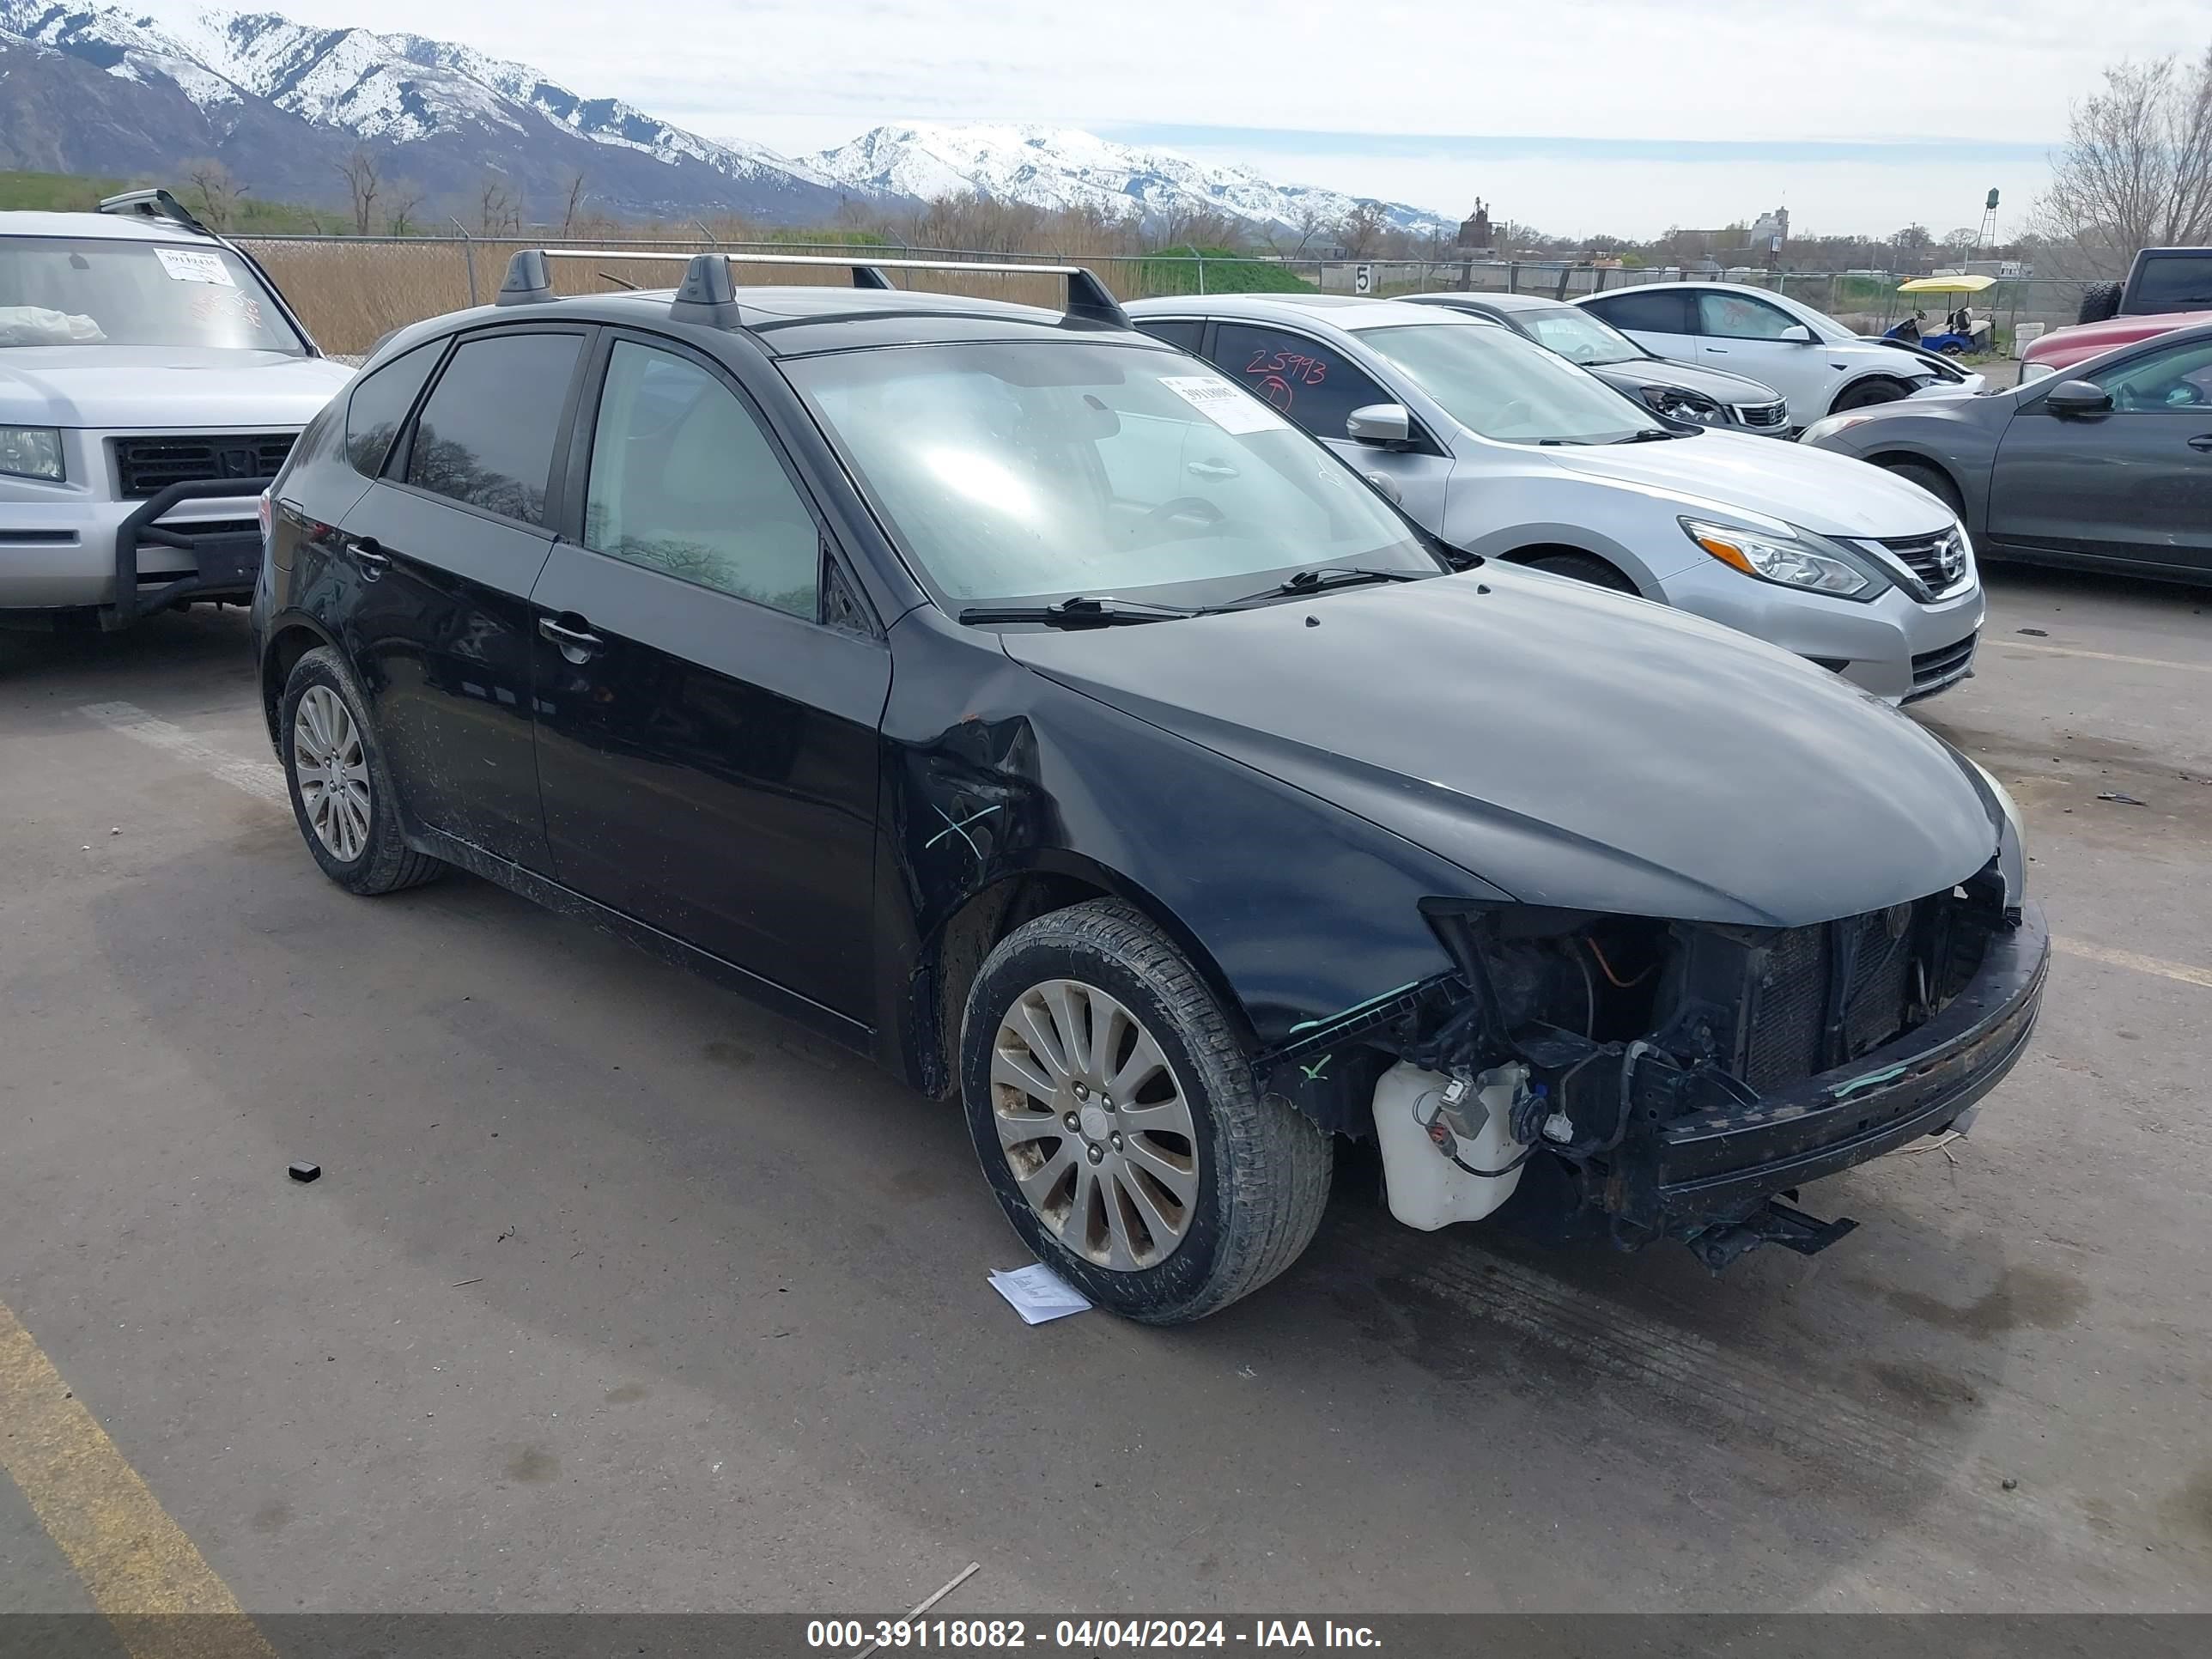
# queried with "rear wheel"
point(1583, 567)
point(1935, 481)
point(1117, 1122)
point(341, 794)
point(1861, 393)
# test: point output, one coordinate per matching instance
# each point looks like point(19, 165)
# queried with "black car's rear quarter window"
point(378, 407)
point(1181, 333)
point(485, 436)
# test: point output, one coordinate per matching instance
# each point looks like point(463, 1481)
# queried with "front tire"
point(341, 789)
point(1113, 1110)
point(1860, 394)
point(1936, 483)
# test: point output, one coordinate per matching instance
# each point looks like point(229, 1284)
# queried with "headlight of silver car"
point(1680, 406)
point(31, 452)
point(1799, 559)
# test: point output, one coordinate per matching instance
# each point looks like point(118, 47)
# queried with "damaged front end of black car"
point(1649, 1079)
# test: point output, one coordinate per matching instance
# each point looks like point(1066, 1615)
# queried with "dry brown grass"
point(351, 293)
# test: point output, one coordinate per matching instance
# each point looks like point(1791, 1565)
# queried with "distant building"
point(1770, 231)
point(1475, 232)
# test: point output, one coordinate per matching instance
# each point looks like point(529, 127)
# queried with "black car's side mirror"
point(1386, 426)
point(1798, 334)
point(2078, 397)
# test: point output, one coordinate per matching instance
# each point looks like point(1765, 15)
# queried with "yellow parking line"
point(137, 1564)
point(2140, 964)
point(2104, 656)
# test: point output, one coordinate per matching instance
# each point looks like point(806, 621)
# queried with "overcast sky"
point(1578, 116)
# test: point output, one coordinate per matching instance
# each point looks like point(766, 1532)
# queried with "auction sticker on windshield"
point(1226, 405)
point(186, 264)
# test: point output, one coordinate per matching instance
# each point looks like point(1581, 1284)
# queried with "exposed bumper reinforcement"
point(1712, 1174)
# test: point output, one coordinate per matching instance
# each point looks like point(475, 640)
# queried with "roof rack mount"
point(153, 204)
point(708, 294)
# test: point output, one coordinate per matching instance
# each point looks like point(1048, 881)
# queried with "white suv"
point(1811, 359)
point(152, 380)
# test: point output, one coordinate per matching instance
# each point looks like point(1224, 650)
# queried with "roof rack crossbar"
point(153, 204)
point(707, 290)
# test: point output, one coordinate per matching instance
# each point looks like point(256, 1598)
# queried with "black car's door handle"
point(2204, 442)
point(577, 644)
point(372, 559)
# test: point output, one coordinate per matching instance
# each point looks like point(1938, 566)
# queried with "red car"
point(2065, 347)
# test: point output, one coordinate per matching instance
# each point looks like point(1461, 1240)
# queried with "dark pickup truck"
point(2161, 279)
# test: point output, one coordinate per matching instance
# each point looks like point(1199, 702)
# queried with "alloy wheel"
point(1095, 1125)
point(331, 768)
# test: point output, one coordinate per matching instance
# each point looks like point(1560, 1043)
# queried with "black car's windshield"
point(1494, 382)
point(1579, 336)
point(1027, 471)
point(89, 290)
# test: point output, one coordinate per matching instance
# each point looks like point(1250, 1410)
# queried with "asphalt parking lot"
point(618, 1294)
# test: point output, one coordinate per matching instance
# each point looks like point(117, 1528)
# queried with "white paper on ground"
point(1228, 407)
point(1037, 1293)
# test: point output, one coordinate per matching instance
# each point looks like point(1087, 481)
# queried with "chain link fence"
point(352, 290)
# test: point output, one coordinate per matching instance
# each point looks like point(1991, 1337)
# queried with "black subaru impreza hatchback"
point(1011, 698)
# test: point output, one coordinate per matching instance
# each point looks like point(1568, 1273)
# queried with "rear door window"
point(485, 436)
point(378, 405)
point(1666, 313)
point(1740, 317)
point(1308, 382)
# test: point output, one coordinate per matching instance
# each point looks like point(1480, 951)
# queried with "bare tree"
point(2135, 170)
point(217, 190)
point(574, 204)
point(406, 201)
point(363, 178)
point(1361, 229)
point(1293, 239)
point(498, 214)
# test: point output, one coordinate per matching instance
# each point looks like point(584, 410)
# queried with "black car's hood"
point(1715, 383)
point(1572, 746)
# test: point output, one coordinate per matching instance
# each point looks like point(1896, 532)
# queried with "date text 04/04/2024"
point(1085, 1635)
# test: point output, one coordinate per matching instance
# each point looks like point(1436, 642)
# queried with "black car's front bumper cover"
point(1718, 1168)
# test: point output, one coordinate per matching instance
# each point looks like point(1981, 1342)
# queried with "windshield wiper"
point(1081, 611)
point(1322, 577)
point(1649, 435)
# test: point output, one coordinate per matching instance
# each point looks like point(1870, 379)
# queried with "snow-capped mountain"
point(435, 106)
point(1063, 167)
point(284, 106)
